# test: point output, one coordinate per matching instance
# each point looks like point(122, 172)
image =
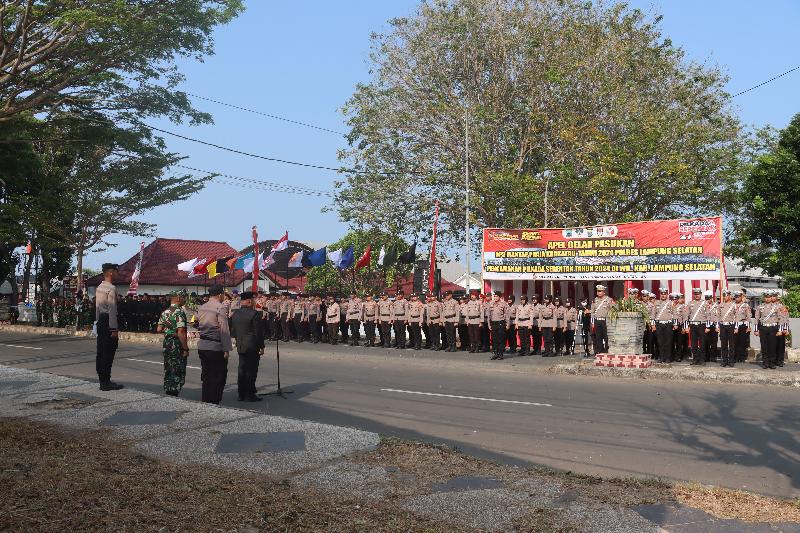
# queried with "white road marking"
point(517, 402)
point(18, 346)
point(158, 363)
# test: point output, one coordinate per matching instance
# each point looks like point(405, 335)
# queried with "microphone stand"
point(279, 392)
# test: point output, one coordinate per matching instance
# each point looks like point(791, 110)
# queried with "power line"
point(271, 185)
point(241, 108)
point(766, 82)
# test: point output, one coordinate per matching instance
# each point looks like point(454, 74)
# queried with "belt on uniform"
point(450, 316)
point(696, 322)
point(664, 322)
point(497, 321)
point(602, 319)
point(385, 314)
point(727, 323)
point(476, 316)
point(768, 325)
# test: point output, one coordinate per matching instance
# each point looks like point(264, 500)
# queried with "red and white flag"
point(134, 286)
point(365, 257)
point(255, 263)
point(432, 267)
point(282, 244)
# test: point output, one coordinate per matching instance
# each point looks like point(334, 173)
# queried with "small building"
point(753, 280)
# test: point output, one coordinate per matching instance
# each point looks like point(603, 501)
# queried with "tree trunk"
point(79, 271)
point(44, 278)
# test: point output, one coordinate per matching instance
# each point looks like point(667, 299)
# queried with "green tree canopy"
point(768, 230)
point(327, 279)
point(578, 113)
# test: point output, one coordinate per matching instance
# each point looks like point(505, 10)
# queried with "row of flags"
point(342, 259)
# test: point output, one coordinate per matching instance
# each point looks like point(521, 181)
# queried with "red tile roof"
point(160, 263)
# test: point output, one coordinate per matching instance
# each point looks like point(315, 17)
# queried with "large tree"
point(767, 232)
point(578, 113)
point(56, 52)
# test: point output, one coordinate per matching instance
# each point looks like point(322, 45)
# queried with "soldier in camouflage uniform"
point(172, 324)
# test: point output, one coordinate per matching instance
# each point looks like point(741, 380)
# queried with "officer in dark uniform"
point(247, 329)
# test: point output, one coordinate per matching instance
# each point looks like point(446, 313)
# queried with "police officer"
point(416, 312)
point(767, 321)
point(585, 318)
point(511, 334)
point(486, 334)
point(433, 313)
point(214, 344)
point(385, 317)
point(344, 326)
point(400, 319)
point(524, 310)
point(783, 331)
point(698, 327)
point(499, 319)
point(570, 326)
point(712, 335)
point(743, 329)
point(463, 329)
point(664, 325)
point(450, 312)
point(681, 313)
point(599, 311)
point(313, 316)
point(369, 314)
point(559, 333)
point(726, 325)
point(107, 332)
point(473, 312)
point(354, 312)
point(547, 324)
point(247, 327)
point(332, 319)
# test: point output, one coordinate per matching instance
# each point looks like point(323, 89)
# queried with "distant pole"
point(255, 260)
point(466, 200)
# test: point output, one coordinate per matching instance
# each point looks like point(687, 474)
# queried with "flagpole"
point(255, 261)
point(466, 195)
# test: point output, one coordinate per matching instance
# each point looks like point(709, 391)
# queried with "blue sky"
point(302, 60)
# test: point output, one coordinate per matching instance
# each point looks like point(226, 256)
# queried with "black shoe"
point(255, 399)
point(765, 367)
point(500, 357)
point(110, 385)
point(780, 364)
point(731, 365)
point(239, 399)
point(772, 367)
point(492, 358)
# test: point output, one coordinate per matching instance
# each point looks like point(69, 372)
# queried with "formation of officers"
point(475, 323)
point(679, 328)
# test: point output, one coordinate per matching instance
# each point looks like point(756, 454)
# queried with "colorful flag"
point(200, 268)
point(248, 264)
point(390, 258)
point(134, 285)
point(335, 256)
point(282, 244)
point(269, 261)
point(221, 265)
point(256, 264)
point(28, 248)
point(188, 266)
point(211, 269)
point(317, 257)
point(410, 255)
point(297, 260)
point(347, 259)
point(381, 256)
point(365, 258)
point(432, 267)
point(240, 261)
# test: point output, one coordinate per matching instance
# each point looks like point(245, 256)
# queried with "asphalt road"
point(741, 436)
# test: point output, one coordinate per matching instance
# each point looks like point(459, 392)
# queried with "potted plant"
point(626, 322)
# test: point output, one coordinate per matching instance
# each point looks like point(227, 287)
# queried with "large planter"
point(625, 334)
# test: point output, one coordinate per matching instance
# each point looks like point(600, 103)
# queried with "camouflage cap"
point(179, 292)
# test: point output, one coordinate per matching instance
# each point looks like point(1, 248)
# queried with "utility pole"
point(466, 195)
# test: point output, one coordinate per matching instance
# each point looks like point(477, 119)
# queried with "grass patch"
point(725, 503)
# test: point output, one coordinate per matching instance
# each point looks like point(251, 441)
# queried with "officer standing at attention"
point(499, 318)
point(743, 319)
point(107, 332)
point(247, 329)
point(400, 319)
point(450, 316)
point(369, 314)
point(332, 318)
point(570, 326)
point(698, 327)
point(664, 324)
point(599, 310)
point(536, 331)
point(172, 323)
point(416, 312)
point(712, 335)
point(354, 312)
point(547, 324)
point(524, 325)
point(214, 344)
point(726, 325)
point(299, 315)
point(385, 316)
point(343, 323)
point(783, 331)
point(433, 312)
point(585, 318)
point(313, 317)
point(463, 330)
point(474, 318)
point(558, 334)
point(486, 334)
point(767, 323)
point(511, 334)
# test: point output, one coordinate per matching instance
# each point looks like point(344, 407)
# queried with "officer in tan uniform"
point(385, 317)
point(524, 310)
point(570, 326)
point(681, 312)
point(726, 325)
point(416, 312)
point(600, 308)
point(312, 308)
point(299, 314)
point(547, 324)
point(463, 330)
point(344, 327)
point(400, 319)
point(558, 334)
point(664, 325)
point(698, 326)
point(450, 313)
point(536, 331)
point(354, 312)
point(743, 319)
point(369, 315)
point(783, 331)
point(486, 334)
point(473, 314)
point(499, 319)
point(271, 316)
point(285, 308)
point(511, 333)
point(712, 335)
point(332, 319)
point(433, 315)
point(767, 322)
